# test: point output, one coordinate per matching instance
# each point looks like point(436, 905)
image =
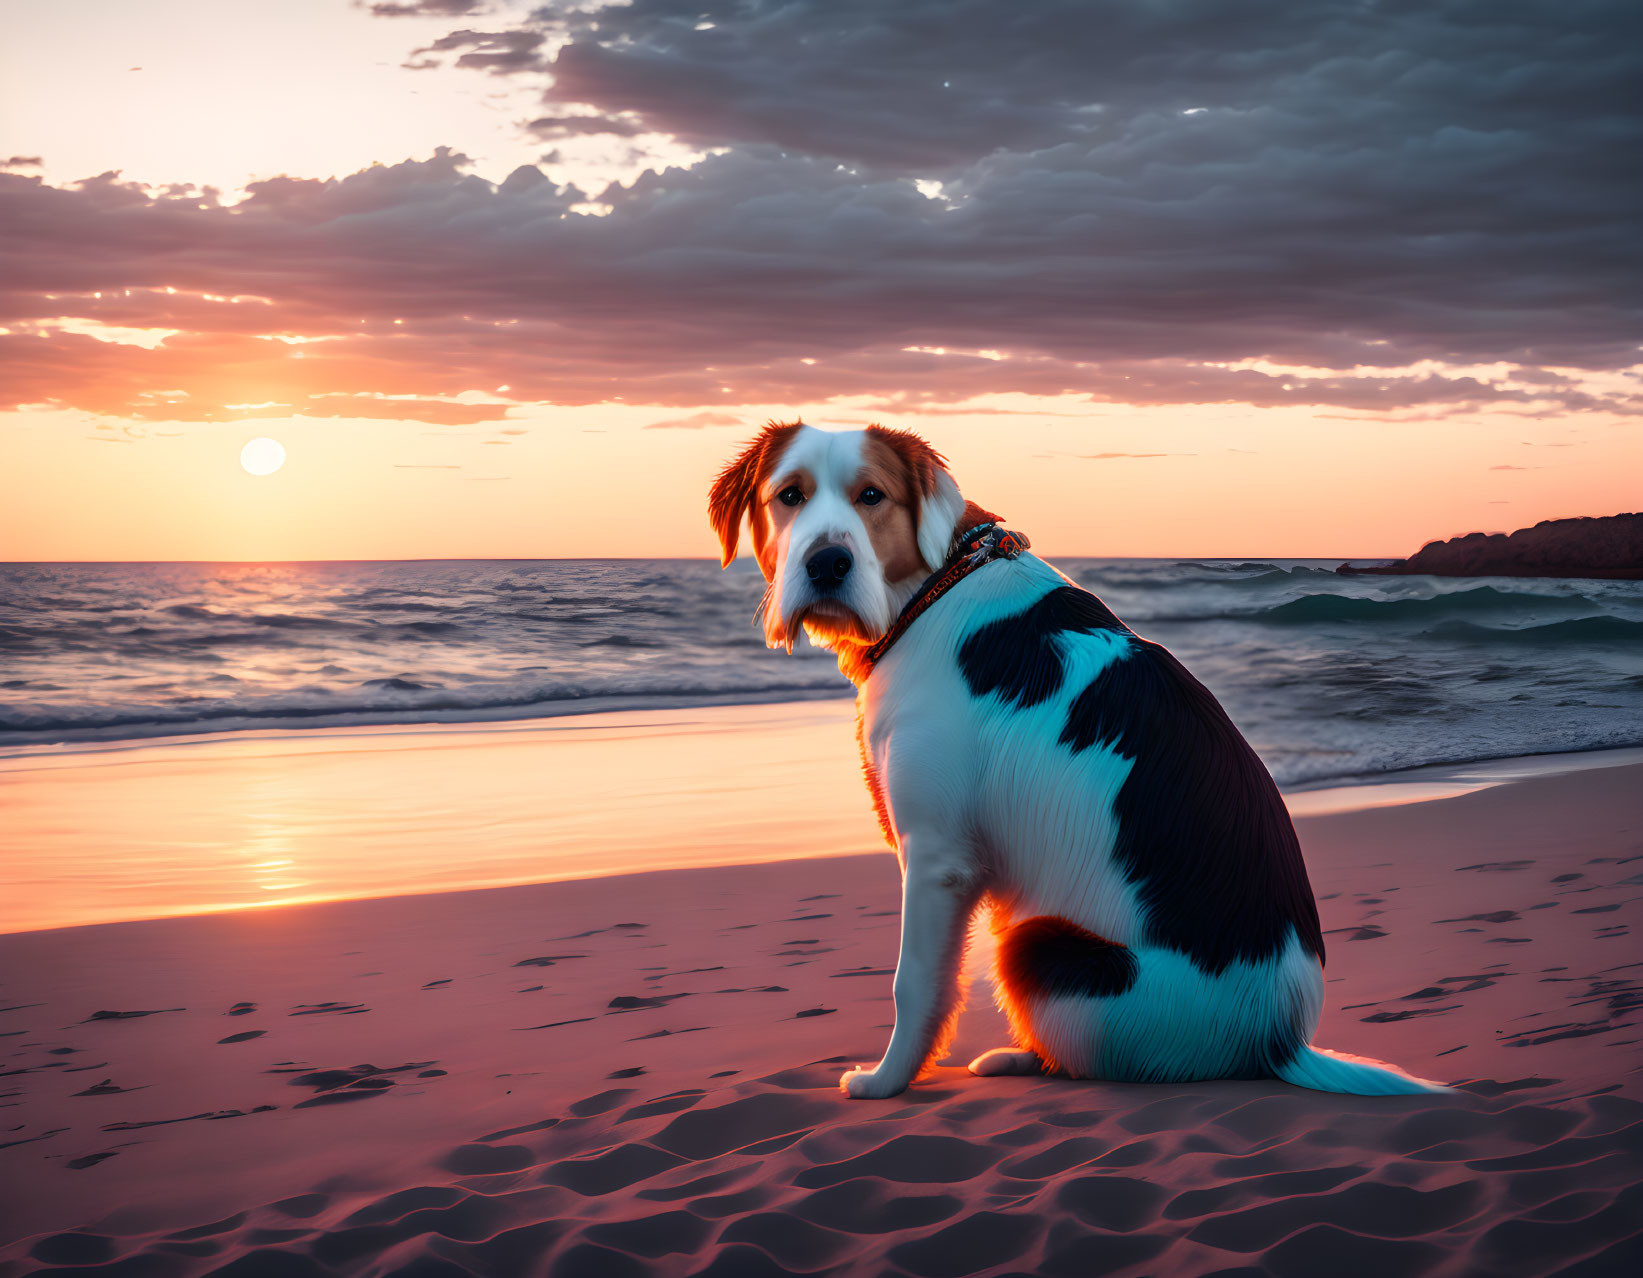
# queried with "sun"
point(262, 456)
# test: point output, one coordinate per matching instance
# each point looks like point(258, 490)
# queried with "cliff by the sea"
point(1610, 546)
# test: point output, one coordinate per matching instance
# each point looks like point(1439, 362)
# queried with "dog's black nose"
point(828, 567)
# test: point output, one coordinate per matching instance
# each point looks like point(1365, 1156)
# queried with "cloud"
point(551, 127)
point(1334, 86)
point(921, 204)
point(22, 162)
point(500, 52)
point(763, 277)
point(696, 421)
point(428, 9)
point(1268, 149)
point(1111, 456)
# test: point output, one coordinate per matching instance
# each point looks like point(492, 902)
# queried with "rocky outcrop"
point(1610, 546)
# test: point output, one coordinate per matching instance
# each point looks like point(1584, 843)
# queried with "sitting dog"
point(1026, 750)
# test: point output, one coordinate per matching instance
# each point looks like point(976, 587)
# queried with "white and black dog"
point(1028, 752)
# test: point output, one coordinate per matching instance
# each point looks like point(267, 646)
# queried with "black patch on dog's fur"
point(1019, 657)
point(1048, 956)
point(1202, 831)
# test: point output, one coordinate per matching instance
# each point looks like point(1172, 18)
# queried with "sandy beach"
point(635, 1073)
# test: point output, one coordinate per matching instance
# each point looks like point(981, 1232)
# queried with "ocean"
point(1330, 677)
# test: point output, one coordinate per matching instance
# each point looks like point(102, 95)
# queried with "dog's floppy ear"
point(940, 505)
point(735, 493)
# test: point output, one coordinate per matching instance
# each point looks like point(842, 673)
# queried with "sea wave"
point(1597, 630)
point(1327, 675)
point(1322, 608)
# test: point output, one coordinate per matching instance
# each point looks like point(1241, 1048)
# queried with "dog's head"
point(846, 525)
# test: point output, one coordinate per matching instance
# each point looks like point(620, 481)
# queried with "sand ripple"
point(779, 1175)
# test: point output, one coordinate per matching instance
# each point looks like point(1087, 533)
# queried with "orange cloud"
point(414, 290)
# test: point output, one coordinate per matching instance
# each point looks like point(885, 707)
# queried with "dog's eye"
point(792, 495)
point(870, 497)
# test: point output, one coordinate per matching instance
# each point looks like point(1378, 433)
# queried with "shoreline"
point(525, 716)
point(1446, 780)
point(456, 719)
point(252, 820)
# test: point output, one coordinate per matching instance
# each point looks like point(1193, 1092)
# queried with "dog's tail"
point(1326, 1071)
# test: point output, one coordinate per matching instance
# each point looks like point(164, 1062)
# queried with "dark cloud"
point(500, 52)
point(932, 84)
point(1448, 176)
point(920, 203)
point(565, 126)
point(21, 162)
point(429, 9)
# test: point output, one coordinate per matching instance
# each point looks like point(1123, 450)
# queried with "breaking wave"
point(1327, 675)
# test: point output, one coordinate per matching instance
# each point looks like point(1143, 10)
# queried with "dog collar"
point(980, 545)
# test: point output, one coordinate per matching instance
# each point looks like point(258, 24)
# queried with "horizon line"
point(553, 559)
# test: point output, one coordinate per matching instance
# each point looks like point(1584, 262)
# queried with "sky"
point(1160, 277)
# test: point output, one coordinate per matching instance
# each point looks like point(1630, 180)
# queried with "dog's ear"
point(735, 493)
point(940, 505)
point(939, 515)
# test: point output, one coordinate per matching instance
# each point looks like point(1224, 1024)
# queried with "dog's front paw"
point(868, 1084)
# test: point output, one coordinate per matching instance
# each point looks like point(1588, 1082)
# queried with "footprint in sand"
point(107, 1088)
point(129, 1016)
point(328, 1008)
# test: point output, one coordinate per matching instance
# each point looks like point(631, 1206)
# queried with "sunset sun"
point(262, 456)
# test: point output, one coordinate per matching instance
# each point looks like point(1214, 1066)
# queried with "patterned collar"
point(980, 545)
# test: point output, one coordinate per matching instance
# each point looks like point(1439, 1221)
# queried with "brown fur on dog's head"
point(735, 494)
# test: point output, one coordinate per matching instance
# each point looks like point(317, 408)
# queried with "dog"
point(1028, 753)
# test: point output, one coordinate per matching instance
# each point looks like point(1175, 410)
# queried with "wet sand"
point(637, 1074)
point(191, 825)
